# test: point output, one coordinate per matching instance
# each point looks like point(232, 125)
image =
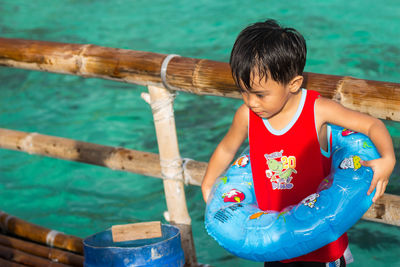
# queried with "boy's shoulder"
point(330, 111)
point(243, 109)
point(242, 115)
point(324, 105)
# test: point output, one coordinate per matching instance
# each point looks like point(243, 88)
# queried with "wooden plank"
point(385, 210)
point(135, 231)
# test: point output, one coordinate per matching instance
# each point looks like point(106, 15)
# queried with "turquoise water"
point(357, 38)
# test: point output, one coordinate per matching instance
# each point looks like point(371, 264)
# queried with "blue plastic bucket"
point(100, 250)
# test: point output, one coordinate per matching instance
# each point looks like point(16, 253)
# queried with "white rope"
point(51, 236)
point(8, 218)
point(162, 109)
point(26, 143)
point(186, 176)
point(172, 169)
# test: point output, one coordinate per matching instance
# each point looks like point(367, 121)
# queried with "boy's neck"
point(285, 116)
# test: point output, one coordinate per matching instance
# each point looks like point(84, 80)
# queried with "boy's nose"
point(253, 101)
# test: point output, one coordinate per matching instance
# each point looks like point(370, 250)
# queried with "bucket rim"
point(125, 248)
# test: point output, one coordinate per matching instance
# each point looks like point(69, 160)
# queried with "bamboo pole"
point(6, 263)
point(198, 76)
point(116, 158)
point(21, 228)
point(146, 164)
point(161, 102)
point(35, 249)
point(27, 259)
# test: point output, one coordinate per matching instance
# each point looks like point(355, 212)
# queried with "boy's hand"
point(382, 169)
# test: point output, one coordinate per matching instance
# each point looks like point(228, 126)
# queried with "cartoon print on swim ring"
point(346, 132)
point(233, 195)
point(310, 200)
point(242, 161)
point(353, 162)
point(248, 232)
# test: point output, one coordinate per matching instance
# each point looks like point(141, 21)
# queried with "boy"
point(288, 125)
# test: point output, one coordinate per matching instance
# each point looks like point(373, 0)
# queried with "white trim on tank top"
point(294, 119)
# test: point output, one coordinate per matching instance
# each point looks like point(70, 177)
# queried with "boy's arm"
point(226, 150)
point(329, 111)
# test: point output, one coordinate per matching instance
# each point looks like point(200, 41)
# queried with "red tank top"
point(288, 166)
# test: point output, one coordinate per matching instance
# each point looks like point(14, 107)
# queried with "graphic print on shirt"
point(280, 169)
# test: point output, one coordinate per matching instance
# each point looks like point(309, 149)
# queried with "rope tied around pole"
point(162, 109)
point(51, 236)
point(172, 169)
point(6, 220)
point(186, 174)
point(26, 143)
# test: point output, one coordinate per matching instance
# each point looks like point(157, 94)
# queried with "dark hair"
point(268, 48)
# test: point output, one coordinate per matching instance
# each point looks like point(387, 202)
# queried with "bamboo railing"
point(197, 76)
point(385, 210)
point(163, 74)
point(49, 247)
point(115, 158)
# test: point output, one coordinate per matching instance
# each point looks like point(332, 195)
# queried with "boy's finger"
point(366, 163)
point(373, 185)
point(378, 192)
point(382, 187)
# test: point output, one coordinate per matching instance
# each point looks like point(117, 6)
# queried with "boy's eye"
point(260, 95)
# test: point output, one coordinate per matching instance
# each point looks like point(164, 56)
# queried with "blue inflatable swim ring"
point(235, 221)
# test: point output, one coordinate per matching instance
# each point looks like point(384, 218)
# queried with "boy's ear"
point(295, 83)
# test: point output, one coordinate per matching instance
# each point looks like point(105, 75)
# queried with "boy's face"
point(266, 97)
